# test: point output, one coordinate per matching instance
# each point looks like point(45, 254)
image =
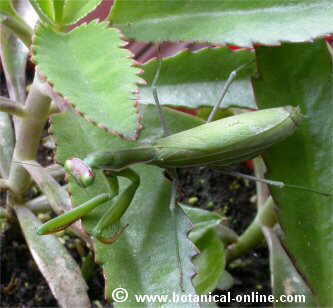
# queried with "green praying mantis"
point(216, 144)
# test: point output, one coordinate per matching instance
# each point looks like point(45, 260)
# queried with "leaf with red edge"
point(96, 75)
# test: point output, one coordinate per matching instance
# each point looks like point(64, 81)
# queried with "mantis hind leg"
point(165, 128)
point(112, 216)
point(225, 89)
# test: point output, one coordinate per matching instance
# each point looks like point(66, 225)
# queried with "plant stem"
point(13, 108)
point(3, 214)
point(253, 234)
point(56, 171)
point(39, 205)
point(30, 130)
point(20, 28)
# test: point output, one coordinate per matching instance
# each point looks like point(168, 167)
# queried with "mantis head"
point(81, 172)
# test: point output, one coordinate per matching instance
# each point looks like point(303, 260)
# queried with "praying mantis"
point(216, 144)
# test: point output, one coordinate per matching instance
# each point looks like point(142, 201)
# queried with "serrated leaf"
point(196, 79)
point(95, 74)
point(74, 10)
point(202, 220)
point(211, 261)
point(145, 259)
point(242, 22)
point(284, 276)
point(301, 74)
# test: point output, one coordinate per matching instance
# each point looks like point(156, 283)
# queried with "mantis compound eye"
point(82, 173)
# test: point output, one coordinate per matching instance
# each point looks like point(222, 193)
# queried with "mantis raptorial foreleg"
point(112, 216)
point(117, 210)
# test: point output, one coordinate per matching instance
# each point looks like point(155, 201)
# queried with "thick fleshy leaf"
point(202, 220)
point(58, 6)
point(301, 74)
point(6, 144)
point(55, 263)
point(57, 196)
point(285, 279)
point(226, 281)
point(196, 79)
point(153, 254)
point(13, 55)
point(6, 8)
point(242, 22)
point(74, 10)
point(64, 12)
point(44, 9)
point(14, 58)
point(211, 261)
point(95, 75)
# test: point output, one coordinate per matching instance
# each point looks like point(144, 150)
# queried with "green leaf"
point(211, 261)
point(6, 8)
point(74, 10)
point(301, 74)
point(6, 143)
point(57, 196)
point(202, 220)
point(63, 12)
point(95, 75)
point(44, 9)
point(153, 254)
point(58, 6)
point(196, 79)
point(242, 22)
point(14, 58)
point(226, 281)
point(54, 261)
point(285, 278)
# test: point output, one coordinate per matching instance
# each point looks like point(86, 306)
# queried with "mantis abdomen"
point(228, 140)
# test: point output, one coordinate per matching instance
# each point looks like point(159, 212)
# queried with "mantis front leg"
point(111, 217)
point(117, 210)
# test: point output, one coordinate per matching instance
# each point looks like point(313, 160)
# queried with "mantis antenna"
point(274, 183)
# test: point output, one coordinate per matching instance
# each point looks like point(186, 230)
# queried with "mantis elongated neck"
point(121, 159)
